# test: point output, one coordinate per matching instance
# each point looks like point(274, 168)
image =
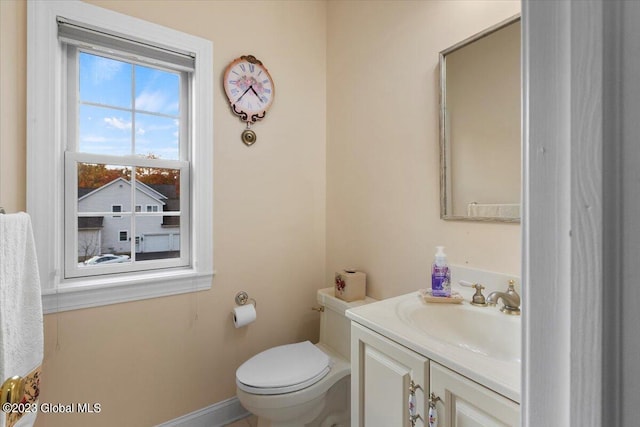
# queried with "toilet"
point(303, 384)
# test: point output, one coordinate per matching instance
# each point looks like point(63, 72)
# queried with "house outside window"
point(136, 102)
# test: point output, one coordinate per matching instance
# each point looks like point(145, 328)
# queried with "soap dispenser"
point(440, 275)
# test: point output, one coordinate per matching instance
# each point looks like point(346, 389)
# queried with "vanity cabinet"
point(463, 402)
point(384, 374)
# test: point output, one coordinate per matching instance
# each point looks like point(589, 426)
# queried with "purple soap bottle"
point(440, 275)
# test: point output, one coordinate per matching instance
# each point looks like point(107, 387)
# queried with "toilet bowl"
point(303, 384)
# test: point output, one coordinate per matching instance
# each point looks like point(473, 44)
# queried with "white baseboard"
point(217, 415)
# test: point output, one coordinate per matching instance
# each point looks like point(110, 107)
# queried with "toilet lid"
point(283, 369)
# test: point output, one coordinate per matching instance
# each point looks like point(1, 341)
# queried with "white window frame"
point(115, 216)
point(126, 238)
point(150, 208)
point(45, 178)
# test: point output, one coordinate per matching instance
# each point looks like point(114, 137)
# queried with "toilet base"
point(335, 411)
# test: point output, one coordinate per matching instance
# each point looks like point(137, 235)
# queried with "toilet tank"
point(335, 327)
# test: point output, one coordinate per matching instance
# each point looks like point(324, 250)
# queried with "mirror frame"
point(444, 158)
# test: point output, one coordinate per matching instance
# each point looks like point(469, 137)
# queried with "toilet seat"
point(283, 369)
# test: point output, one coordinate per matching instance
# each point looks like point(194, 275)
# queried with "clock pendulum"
point(249, 136)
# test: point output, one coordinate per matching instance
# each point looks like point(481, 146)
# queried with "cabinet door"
point(381, 376)
point(465, 403)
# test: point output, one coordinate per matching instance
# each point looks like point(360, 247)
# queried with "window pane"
point(158, 189)
point(104, 80)
point(104, 131)
point(157, 91)
point(157, 231)
point(103, 189)
point(155, 240)
point(157, 137)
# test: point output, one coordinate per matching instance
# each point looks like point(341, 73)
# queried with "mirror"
point(480, 150)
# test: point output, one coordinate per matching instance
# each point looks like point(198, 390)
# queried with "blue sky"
point(108, 130)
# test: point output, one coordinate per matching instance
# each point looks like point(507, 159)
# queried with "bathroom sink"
point(480, 343)
point(481, 330)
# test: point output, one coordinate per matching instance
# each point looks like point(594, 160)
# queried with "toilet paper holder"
point(242, 298)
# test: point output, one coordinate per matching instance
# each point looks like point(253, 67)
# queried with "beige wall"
point(368, 76)
point(13, 91)
point(382, 143)
point(155, 360)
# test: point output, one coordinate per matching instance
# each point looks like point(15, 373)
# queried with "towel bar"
point(12, 390)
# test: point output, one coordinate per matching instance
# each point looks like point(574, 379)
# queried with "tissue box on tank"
point(350, 285)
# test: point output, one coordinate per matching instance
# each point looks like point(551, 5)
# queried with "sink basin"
point(482, 330)
point(480, 343)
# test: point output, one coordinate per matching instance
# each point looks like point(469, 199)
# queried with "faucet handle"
point(477, 298)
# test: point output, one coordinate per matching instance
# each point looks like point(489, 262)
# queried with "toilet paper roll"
point(243, 315)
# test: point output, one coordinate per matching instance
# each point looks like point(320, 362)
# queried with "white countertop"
point(385, 318)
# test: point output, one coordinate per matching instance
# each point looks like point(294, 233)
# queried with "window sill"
point(105, 291)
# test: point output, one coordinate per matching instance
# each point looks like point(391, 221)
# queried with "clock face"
point(249, 88)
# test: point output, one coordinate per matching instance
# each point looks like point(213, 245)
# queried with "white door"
point(381, 377)
point(465, 403)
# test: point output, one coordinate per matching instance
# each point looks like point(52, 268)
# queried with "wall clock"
point(249, 88)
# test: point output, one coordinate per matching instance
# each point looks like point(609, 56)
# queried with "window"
point(127, 141)
point(132, 105)
point(116, 208)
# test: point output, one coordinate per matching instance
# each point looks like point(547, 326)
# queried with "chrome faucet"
point(510, 299)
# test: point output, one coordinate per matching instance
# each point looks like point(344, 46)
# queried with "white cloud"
point(117, 123)
point(151, 101)
point(104, 69)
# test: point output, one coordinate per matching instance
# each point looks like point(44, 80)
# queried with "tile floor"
point(251, 421)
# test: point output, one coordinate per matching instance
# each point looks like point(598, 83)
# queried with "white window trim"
point(45, 198)
point(115, 216)
point(126, 238)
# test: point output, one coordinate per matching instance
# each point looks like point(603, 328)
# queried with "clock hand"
point(255, 93)
point(244, 93)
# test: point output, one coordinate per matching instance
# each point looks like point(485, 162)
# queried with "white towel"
point(21, 329)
